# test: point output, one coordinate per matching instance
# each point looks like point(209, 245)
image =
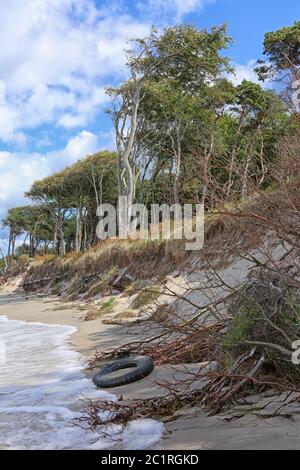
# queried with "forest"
point(183, 132)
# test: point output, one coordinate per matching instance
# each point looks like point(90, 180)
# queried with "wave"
point(42, 388)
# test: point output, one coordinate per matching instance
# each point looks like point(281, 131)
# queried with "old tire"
point(144, 365)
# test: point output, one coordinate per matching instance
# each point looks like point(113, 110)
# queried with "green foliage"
point(282, 49)
point(24, 259)
point(107, 307)
point(267, 317)
point(197, 135)
point(59, 198)
point(245, 322)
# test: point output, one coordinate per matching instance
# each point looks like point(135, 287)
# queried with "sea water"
point(43, 389)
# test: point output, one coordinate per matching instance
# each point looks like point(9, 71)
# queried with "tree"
point(15, 223)
point(169, 75)
point(70, 199)
point(252, 109)
point(91, 182)
point(282, 48)
point(187, 64)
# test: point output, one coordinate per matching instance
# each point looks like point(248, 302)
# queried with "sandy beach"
point(192, 429)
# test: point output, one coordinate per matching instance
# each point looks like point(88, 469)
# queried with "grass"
point(120, 317)
point(146, 296)
point(143, 259)
point(76, 287)
point(107, 307)
point(102, 286)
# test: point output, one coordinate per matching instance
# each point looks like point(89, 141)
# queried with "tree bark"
point(62, 244)
point(176, 144)
point(233, 155)
point(207, 158)
point(55, 238)
point(78, 236)
point(9, 243)
point(126, 179)
point(13, 243)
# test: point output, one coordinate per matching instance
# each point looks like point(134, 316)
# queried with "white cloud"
point(244, 72)
point(57, 58)
point(18, 170)
point(60, 54)
point(83, 144)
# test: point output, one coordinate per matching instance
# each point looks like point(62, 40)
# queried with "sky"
point(57, 57)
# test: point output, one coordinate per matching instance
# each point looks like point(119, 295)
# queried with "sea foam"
point(42, 389)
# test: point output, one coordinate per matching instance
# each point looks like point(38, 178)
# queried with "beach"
point(44, 387)
point(192, 429)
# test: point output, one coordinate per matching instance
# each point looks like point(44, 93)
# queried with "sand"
point(192, 429)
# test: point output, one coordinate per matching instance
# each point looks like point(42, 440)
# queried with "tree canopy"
point(184, 133)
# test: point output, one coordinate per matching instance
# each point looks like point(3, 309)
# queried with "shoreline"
point(192, 428)
point(89, 335)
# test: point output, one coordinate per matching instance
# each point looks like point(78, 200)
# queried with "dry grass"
point(121, 318)
point(103, 286)
point(226, 230)
point(95, 312)
point(96, 268)
point(146, 296)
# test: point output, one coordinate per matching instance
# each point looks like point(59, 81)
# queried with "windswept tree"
point(155, 109)
point(91, 182)
point(14, 222)
point(126, 101)
point(282, 51)
point(51, 193)
point(71, 197)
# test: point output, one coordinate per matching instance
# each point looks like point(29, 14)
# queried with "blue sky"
point(59, 55)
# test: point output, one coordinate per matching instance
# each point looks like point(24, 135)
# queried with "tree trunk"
point(9, 244)
point(248, 152)
point(264, 168)
point(245, 175)
point(177, 159)
point(85, 237)
point(233, 155)
point(126, 180)
point(206, 172)
point(62, 244)
point(55, 241)
point(13, 243)
point(78, 235)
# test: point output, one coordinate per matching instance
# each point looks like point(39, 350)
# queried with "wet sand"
point(192, 429)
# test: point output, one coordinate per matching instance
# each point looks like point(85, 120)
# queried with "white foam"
point(41, 391)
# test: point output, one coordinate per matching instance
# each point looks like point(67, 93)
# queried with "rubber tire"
point(144, 365)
